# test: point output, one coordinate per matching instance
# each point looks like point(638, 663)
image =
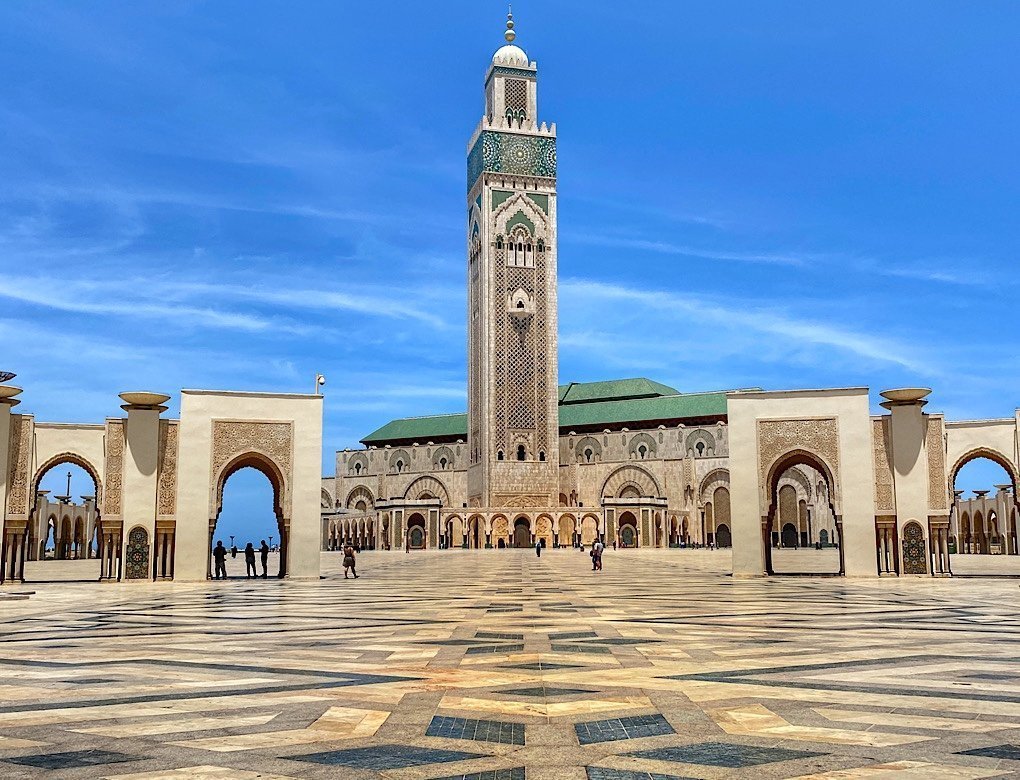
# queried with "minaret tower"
point(513, 425)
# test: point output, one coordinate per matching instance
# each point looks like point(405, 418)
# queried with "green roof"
point(602, 414)
point(439, 426)
point(613, 390)
point(582, 405)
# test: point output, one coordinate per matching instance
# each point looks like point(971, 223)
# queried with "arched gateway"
point(159, 482)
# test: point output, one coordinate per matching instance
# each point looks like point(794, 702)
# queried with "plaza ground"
point(450, 663)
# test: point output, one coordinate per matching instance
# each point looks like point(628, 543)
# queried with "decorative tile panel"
point(521, 155)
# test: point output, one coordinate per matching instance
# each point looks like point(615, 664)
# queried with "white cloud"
point(738, 321)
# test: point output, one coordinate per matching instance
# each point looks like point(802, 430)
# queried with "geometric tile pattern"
point(477, 730)
point(823, 679)
point(723, 754)
point(74, 759)
point(614, 729)
point(517, 773)
point(385, 757)
point(1007, 752)
point(602, 773)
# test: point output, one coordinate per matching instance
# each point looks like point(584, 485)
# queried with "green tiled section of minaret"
point(523, 155)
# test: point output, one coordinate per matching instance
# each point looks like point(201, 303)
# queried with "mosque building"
point(632, 461)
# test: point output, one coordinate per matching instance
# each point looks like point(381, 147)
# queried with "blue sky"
point(239, 194)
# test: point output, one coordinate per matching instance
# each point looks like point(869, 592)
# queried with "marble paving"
point(498, 665)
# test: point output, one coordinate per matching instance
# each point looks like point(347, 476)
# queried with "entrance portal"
point(628, 530)
point(522, 532)
point(416, 531)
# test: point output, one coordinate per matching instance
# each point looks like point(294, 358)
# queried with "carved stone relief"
point(20, 450)
point(275, 440)
point(938, 488)
point(167, 485)
point(114, 467)
point(885, 500)
point(778, 437)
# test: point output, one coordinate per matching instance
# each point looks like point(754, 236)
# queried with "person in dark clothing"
point(249, 561)
point(264, 552)
point(219, 555)
point(538, 548)
point(350, 562)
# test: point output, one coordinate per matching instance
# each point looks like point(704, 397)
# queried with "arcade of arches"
point(157, 485)
point(827, 494)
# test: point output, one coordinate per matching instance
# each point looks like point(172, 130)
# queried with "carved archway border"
point(75, 459)
point(267, 446)
point(813, 438)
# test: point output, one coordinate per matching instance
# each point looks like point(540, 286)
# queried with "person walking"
point(233, 551)
point(349, 562)
point(596, 555)
point(264, 552)
point(219, 555)
point(538, 548)
point(249, 561)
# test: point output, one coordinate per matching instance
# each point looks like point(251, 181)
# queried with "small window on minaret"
point(521, 452)
point(520, 304)
point(541, 456)
point(499, 455)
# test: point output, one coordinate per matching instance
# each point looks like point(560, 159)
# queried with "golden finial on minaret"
point(510, 34)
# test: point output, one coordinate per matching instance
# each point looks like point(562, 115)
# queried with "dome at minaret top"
point(510, 54)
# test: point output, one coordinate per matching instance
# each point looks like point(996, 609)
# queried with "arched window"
point(520, 304)
point(541, 245)
point(499, 455)
point(541, 456)
point(400, 466)
point(499, 242)
point(442, 463)
point(587, 455)
point(521, 452)
point(700, 447)
point(357, 468)
point(642, 451)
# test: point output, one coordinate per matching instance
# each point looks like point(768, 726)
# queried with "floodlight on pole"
point(320, 380)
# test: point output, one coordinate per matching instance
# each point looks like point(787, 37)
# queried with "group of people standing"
point(219, 554)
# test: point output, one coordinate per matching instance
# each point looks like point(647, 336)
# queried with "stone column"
point(141, 459)
point(908, 431)
point(7, 552)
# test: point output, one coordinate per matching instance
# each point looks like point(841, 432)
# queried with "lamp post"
point(320, 380)
point(270, 542)
point(231, 540)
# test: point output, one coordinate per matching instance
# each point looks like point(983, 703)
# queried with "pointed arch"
point(633, 477)
point(425, 487)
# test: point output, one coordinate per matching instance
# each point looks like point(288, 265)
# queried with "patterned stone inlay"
point(614, 729)
point(1007, 752)
point(723, 754)
point(545, 692)
point(114, 467)
point(515, 773)
point(73, 759)
point(502, 732)
point(386, 757)
point(603, 773)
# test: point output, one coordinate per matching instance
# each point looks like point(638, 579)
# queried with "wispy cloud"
point(748, 317)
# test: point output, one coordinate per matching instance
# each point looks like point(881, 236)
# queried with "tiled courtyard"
point(498, 665)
